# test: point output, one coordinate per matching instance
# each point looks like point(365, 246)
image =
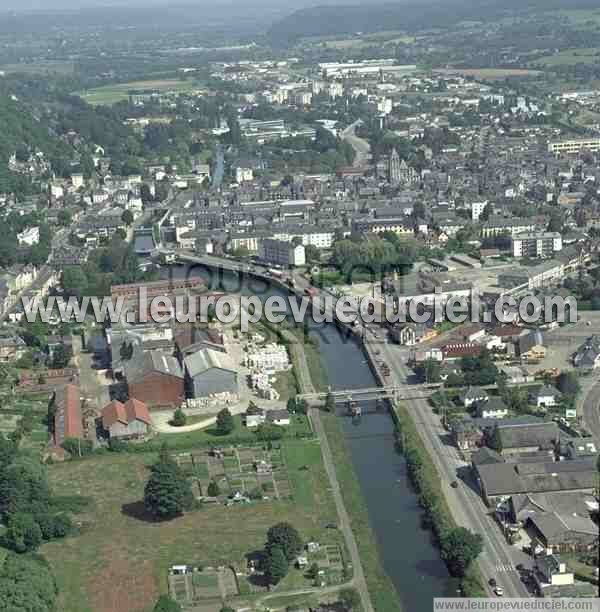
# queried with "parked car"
point(492, 582)
point(454, 484)
point(499, 591)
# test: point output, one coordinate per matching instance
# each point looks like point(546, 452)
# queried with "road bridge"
point(392, 392)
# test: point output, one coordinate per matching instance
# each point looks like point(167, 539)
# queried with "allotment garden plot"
point(242, 473)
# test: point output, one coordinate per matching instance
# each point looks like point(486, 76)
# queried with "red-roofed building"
point(459, 350)
point(126, 421)
point(67, 414)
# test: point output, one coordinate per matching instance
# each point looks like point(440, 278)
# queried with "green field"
point(569, 57)
point(40, 68)
point(120, 560)
point(580, 17)
point(385, 37)
point(109, 94)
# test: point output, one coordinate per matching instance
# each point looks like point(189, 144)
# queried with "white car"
point(499, 591)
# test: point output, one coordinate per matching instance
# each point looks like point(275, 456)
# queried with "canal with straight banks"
point(407, 553)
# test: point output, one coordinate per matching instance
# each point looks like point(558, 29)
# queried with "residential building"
point(400, 226)
point(551, 570)
point(127, 421)
point(493, 408)
point(536, 244)
point(409, 334)
point(68, 420)
point(29, 236)
point(545, 396)
point(531, 346)
point(535, 277)
point(243, 175)
point(281, 253)
point(279, 417)
point(495, 226)
point(574, 146)
point(587, 356)
point(472, 395)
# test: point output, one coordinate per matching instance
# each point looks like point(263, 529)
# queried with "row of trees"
point(459, 546)
point(26, 504)
point(478, 371)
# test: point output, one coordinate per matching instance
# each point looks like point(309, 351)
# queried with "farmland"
point(109, 94)
point(488, 73)
point(569, 57)
point(46, 68)
point(120, 561)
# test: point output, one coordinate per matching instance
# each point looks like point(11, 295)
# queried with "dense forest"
point(410, 16)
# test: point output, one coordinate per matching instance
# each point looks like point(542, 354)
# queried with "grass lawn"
point(381, 589)
point(285, 385)
point(210, 437)
point(119, 562)
point(109, 94)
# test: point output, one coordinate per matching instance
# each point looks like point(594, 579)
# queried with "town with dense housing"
point(150, 463)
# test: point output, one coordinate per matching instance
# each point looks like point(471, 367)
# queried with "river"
point(407, 553)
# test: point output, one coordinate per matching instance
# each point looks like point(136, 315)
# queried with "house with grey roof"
point(563, 532)
point(528, 437)
point(500, 481)
point(493, 408)
point(209, 372)
point(587, 356)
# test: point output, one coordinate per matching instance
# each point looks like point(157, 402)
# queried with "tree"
point(74, 281)
point(350, 598)
point(312, 253)
point(61, 356)
point(556, 222)
point(429, 371)
point(276, 565)
point(167, 493)
point(486, 212)
point(27, 583)
point(495, 441)
point(24, 487)
point(225, 422)
point(460, 547)
point(568, 384)
point(179, 418)
point(23, 533)
point(64, 218)
point(213, 489)
point(284, 536)
point(313, 571)
point(166, 604)
point(127, 217)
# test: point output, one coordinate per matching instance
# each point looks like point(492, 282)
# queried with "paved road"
point(360, 146)
point(590, 408)
point(498, 559)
